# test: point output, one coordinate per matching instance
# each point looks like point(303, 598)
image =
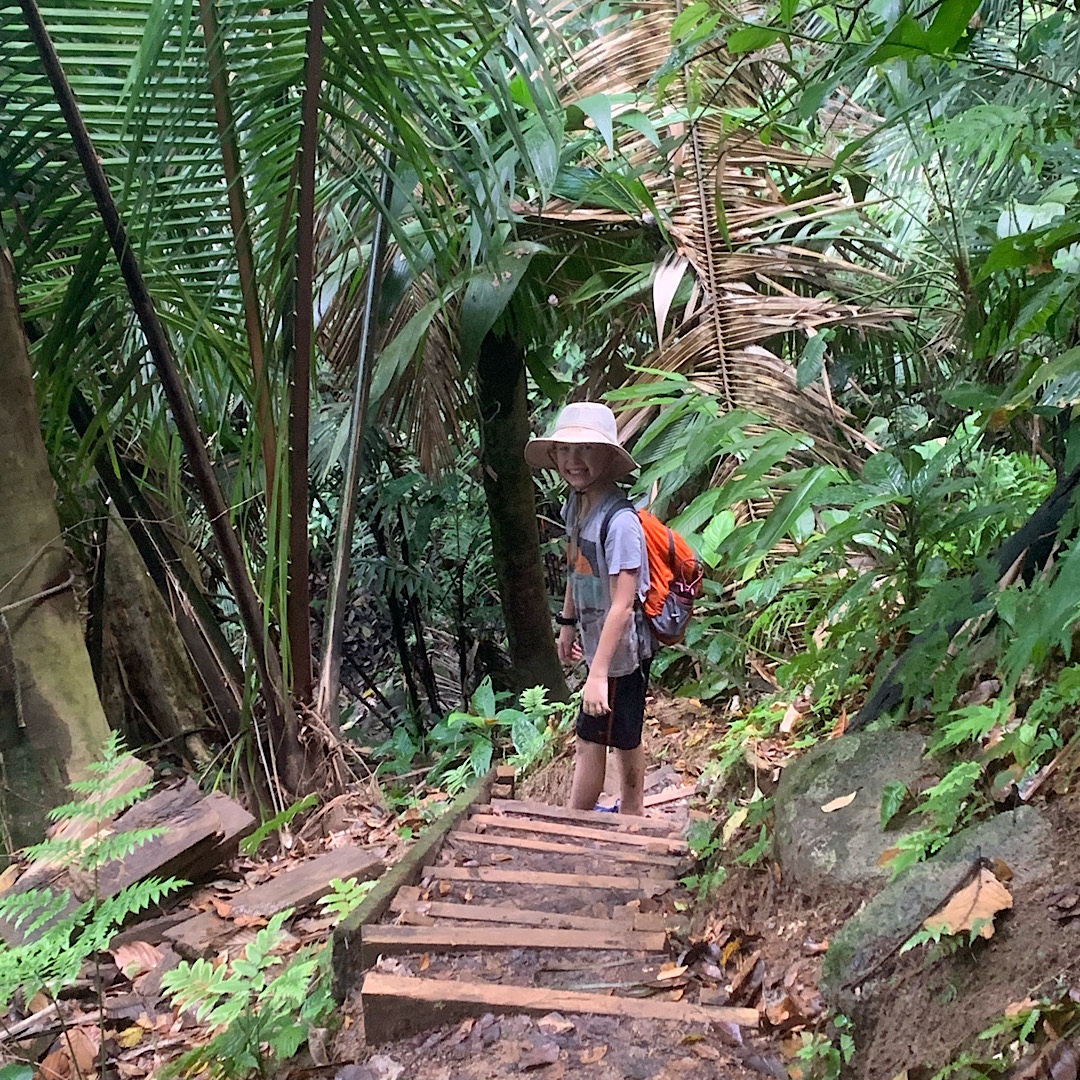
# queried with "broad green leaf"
point(480, 756)
point(812, 362)
point(399, 352)
point(752, 38)
point(486, 296)
point(597, 107)
point(483, 699)
point(950, 23)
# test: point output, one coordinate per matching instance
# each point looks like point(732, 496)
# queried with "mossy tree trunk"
point(51, 722)
point(511, 499)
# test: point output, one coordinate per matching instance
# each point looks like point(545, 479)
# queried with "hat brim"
point(540, 453)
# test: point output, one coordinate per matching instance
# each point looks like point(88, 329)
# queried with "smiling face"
point(582, 465)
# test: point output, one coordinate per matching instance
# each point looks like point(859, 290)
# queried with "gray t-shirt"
point(591, 571)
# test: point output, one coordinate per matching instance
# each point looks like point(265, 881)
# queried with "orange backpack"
point(675, 574)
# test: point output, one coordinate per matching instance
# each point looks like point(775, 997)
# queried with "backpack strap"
point(616, 507)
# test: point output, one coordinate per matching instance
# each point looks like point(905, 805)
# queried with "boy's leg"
point(590, 763)
point(632, 780)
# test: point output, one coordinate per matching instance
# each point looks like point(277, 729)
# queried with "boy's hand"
point(569, 649)
point(595, 699)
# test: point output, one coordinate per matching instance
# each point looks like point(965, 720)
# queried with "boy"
point(605, 590)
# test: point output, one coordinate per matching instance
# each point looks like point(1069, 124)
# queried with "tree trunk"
point(511, 499)
point(52, 725)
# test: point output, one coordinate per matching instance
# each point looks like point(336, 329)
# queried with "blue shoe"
point(608, 809)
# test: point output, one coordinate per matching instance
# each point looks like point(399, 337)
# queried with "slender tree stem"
point(299, 600)
point(330, 676)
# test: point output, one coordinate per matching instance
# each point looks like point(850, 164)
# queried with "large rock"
point(1021, 838)
point(816, 848)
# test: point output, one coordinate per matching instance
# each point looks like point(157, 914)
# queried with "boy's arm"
point(617, 625)
point(569, 650)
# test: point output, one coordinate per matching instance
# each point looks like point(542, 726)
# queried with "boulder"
point(1021, 838)
point(820, 848)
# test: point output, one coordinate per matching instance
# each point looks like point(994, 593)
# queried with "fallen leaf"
point(734, 823)
point(501, 856)
point(670, 971)
point(554, 1023)
point(973, 907)
point(704, 1050)
point(8, 877)
point(425, 962)
point(839, 804)
point(593, 1054)
point(223, 908)
point(444, 887)
point(244, 921)
point(130, 1037)
point(792, 716)
point(887, 856)
point(136, 958)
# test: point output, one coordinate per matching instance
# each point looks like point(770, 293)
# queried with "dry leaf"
point(792, 716)
point(593, 1054)
point(670, 971)
point(444, 887)
point(136, 958)
point(223, 908)
point(244, 921)
point(425, 962)
point(554, 1023)
point(130, 1037)
point(839, 804)
point(501, 856)
point(8, 876)
point(973, 906)
point(887, 856)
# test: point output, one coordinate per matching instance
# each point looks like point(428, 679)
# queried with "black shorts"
point(621, 727)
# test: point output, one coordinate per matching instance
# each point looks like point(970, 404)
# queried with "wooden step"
point(646, 886)
point(388, 940)
point(578, 832)
point(398, 1006)
point(575, 850)
point(598, 818)
point(407, 904)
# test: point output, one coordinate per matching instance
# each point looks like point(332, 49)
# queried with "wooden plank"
point(306, 882)
point(484, 913)
point(397, 1006)
point(575, 850)
point(648, 885)
point(671, 795)
point(406, 872)
point(597, 818)
point(376, 940)
point(579, 832)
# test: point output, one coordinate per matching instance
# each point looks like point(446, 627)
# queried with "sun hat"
point(580, 422)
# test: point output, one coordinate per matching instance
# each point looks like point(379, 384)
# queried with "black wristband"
point(566, 620)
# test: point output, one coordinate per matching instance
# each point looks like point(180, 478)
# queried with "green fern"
point(60, 933)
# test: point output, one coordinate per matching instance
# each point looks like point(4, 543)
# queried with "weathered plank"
point(596, 818)
point(397, 1006)
point(406, 872)
point(648, 886)
point(580, 832)
point(485, 913)
point(310, 880)
point(671, 794)
point(555, 848)
point(376, 940)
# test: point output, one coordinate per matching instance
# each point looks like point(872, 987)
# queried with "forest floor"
point(759, 940)
point(756, 940)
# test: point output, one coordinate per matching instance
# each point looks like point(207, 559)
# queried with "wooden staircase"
point(523, 907)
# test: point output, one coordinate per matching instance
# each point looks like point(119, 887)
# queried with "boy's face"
point(583, 464)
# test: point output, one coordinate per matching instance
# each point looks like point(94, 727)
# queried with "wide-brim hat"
point(581, 422)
